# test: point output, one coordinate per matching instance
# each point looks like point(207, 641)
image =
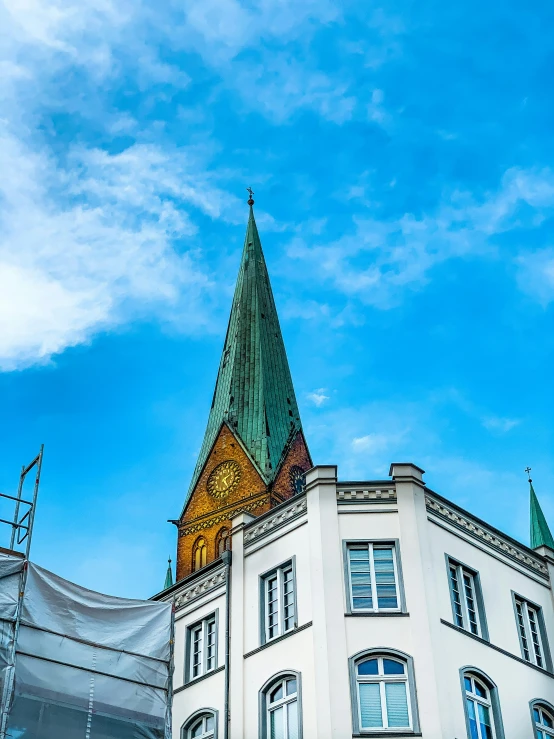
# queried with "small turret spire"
point(168, 575)
point(541, 535)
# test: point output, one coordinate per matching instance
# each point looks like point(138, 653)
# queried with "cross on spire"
point(251, 198)
point(528, 470)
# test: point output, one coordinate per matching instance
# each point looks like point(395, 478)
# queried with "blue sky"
point(402, 161)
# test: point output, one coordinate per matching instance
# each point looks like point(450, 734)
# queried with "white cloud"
point(85, 247)
point(500, 425)
point(375, 443)
point(384, 257)
point(318, 397)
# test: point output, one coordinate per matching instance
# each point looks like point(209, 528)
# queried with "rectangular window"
point(202, 647)
point(373, 577)
point(279, 601)
point(529, 625)
point(465, 597)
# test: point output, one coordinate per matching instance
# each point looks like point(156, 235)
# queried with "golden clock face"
point(224, 478)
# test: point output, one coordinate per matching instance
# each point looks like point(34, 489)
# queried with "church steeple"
point(254, 434)
point(540, 533)
point(254, 393)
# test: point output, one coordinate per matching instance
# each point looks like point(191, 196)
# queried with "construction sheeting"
point(90, 665)
point(10, 573)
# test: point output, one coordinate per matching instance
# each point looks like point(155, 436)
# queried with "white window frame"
point(278, 574)
point(208, 658)
point(541, 730)
point(534, 648)
point(461, 573)
point(285, 702)
point(476, 699)
point(207, 733)
point(381, 679)
point(203, 715)
point(372, 546)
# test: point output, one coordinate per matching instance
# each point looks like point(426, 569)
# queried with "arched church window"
point(199, 553)
point(483, 717)
point(543, 719)
point(222, 541)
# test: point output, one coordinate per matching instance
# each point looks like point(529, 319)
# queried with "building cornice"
point(201, 586)
point(275, 519)
point(225, 514)
point(366, 492)
point(484, 533)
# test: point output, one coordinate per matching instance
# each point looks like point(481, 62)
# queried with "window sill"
point(278, 639)
point(199, 679)
point(497, 649)
point(374, 614)
point(387, 733)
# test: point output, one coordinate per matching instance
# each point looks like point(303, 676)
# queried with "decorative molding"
point(481, 532)
point(278, 639)
point(255, 531)
point(368, 495)
point(200, 587)
point(206, 524)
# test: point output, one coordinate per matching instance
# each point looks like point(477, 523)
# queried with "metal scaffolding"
point(21, 533)
point(74, 662)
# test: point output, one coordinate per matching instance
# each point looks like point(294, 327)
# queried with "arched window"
point(481, 706)
point(201, 725)
point(280, 714)
point(199, 553)
point(543, 719)
point(222, 541)
point(383, 691)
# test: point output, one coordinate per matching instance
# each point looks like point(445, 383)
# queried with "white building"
point(366, 609)
point(308, 607)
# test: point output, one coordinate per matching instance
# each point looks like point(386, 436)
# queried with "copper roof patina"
point(540, 533)
point(254, 393)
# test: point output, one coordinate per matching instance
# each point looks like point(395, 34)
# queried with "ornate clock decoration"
point(224, 479)
point(296, 476)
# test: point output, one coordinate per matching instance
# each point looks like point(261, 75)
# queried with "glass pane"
point(277, 723)
point(485, 721)
point(536, 715)
point(480, 689)
point(292, 720)
point(547, 721)
point(473, 731)
point(455, 590)
point(291, 687)
point(384, 578)
point(397, 704)
point(197, 729)
point(210, 723)
point(370, 705)
point(369, 667)
point(360, 579)
point(392, 667)
point(277, 694)
point(467, 683)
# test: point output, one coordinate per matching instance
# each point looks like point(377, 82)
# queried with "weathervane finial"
point(528, 470)
point(250, 199)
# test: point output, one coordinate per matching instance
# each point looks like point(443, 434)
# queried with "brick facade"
point(205, 515)
point(299, 456)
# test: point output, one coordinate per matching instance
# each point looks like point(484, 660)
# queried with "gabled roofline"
point(244, 449)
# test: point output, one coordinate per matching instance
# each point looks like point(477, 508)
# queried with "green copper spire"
point(168, 575)
point(540, 533)
point(254, 394)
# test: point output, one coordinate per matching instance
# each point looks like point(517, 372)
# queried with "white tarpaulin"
point(89, 665)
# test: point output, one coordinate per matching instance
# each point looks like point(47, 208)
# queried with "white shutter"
point(397, 705)
point(370, 705)
point(277, 722)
